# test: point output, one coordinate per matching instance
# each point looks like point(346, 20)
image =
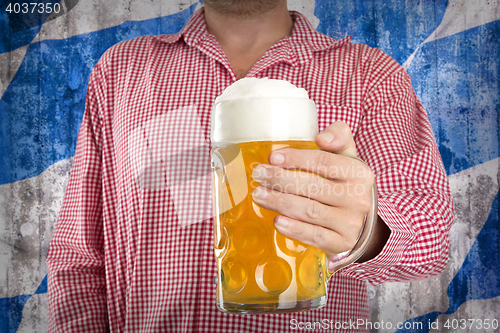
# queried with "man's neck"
point(245, 39)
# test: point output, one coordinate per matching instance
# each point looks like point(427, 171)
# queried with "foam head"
point(254, 109)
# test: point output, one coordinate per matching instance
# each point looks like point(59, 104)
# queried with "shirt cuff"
point(382, 268)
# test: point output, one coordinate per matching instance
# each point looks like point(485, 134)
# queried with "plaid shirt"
point(133, 247)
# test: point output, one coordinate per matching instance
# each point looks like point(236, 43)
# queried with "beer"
point(260, 270)
point(258, 265)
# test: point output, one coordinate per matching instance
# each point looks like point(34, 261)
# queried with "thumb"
point(337, 138)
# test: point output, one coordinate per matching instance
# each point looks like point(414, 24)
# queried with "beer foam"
point(254, 109)
point(261, 88)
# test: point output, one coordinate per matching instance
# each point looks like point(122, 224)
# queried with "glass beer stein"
point(260, 270)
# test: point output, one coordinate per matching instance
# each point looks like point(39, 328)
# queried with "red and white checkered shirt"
point(133, 246)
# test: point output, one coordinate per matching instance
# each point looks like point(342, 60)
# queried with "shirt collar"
point(301, 44)
point(193, 31)
point(305, 40)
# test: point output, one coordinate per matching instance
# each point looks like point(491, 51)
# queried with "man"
point(121, 261)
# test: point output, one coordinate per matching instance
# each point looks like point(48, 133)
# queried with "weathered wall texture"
point(450, 48)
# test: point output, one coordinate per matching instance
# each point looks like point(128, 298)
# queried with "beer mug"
point(260, 270)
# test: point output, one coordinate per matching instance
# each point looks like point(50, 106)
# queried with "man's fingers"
point(324, 164)
point(310, 234)
point(326, 205)
point(326, 227)
point(309, 185)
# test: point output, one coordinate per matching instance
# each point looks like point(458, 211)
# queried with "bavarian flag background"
point(449, 47)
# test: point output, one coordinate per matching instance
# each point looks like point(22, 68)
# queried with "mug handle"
point(344, 259)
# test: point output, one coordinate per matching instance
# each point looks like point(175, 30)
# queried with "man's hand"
point(324, 207)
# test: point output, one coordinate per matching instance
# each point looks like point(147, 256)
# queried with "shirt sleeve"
point(395, 138)
point(77, 286)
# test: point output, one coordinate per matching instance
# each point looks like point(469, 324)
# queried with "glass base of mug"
point(270, 308)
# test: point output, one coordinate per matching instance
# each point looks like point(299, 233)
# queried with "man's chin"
point(242, 8)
